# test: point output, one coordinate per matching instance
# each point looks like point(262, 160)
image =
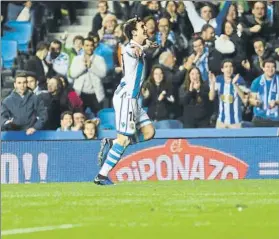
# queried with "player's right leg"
point(126, 128)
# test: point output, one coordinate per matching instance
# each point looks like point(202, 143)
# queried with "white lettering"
point(42, 164)
point(218, 166)
point(27, 166)
point(11, 161)
point(146, 168)
point(197, 171)
point(179, 169)
point(229, 170)
point(163, 159)
point(125, 171)
point(135, 171)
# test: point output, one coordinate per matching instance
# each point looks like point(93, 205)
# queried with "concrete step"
point(85, 20)
point(69, 41)
point(87, 12)
point(75, 28)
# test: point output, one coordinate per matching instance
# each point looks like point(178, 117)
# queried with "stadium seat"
point(8, 53)
point(107, 116)
point(168, 124)
point(106, 127)
point(21, 32)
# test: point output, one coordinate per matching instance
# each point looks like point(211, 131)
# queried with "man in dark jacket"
point(38, 65)
point(22, 110)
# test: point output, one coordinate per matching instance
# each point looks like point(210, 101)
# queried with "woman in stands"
point(195, 100)
point(157, 95)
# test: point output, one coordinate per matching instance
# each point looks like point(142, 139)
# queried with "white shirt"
point(133, 71)
point(24, 15)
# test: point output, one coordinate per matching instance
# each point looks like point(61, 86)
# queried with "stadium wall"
point(204, 154)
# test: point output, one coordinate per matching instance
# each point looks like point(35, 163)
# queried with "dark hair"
point(269, 60)
point(22, 74)
point(55, 41)
point(93, 122)
point(146, 19)
point(227, 61)
point(175, 3)
point(31, 74)
point(232, 24)
point(187, 81)
point(130, 26)
point(197, 39)
point(42, 46)
point(78, 37)
point(104, 1)
point(65, 113)
point(151, 77)
point(206, 26)
point(259, 39)
point(89, 39)
point(59, 84)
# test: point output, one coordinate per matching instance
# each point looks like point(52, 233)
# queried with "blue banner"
point(158, 159)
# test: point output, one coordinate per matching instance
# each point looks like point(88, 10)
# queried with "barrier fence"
point(204, 154)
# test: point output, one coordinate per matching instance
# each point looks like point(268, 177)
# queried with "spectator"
point(75, 50)
point(38, 65)
point(69, 96)
point(32, 83)
point(265, 96)
point(256, 25)
point(195, 101)
point(263, 52)
point(90, 129)
point(205, 15)
point(158, 95)
point(230, 90)
point(58, 61)
point(150, 24)
point(121, 10)
point(98, 18)
point(106, 32)
point(87, 71)
point(66, 121)
point(185, 26)
point(79, 119)
point(56, 102)
point(22, 110)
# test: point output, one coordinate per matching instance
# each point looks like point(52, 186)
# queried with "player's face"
point(227, 69)
point(269, 69)
point(158, 75)
point(141, 31)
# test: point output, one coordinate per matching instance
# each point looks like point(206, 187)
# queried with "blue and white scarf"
point(266, 97)
point(202, 64)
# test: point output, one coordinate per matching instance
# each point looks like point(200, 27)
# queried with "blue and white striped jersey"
point(133, 71)
point(230, 111)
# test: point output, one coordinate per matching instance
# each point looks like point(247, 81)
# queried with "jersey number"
point(132, 116)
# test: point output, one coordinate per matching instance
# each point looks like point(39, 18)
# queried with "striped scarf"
point(272, 94)
point(202, 64)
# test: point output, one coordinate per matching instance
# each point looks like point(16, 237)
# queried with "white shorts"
point(129, 115)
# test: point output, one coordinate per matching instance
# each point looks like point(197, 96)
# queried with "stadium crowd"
point(216, 65)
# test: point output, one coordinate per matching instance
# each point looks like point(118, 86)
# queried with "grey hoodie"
point(27, 111)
